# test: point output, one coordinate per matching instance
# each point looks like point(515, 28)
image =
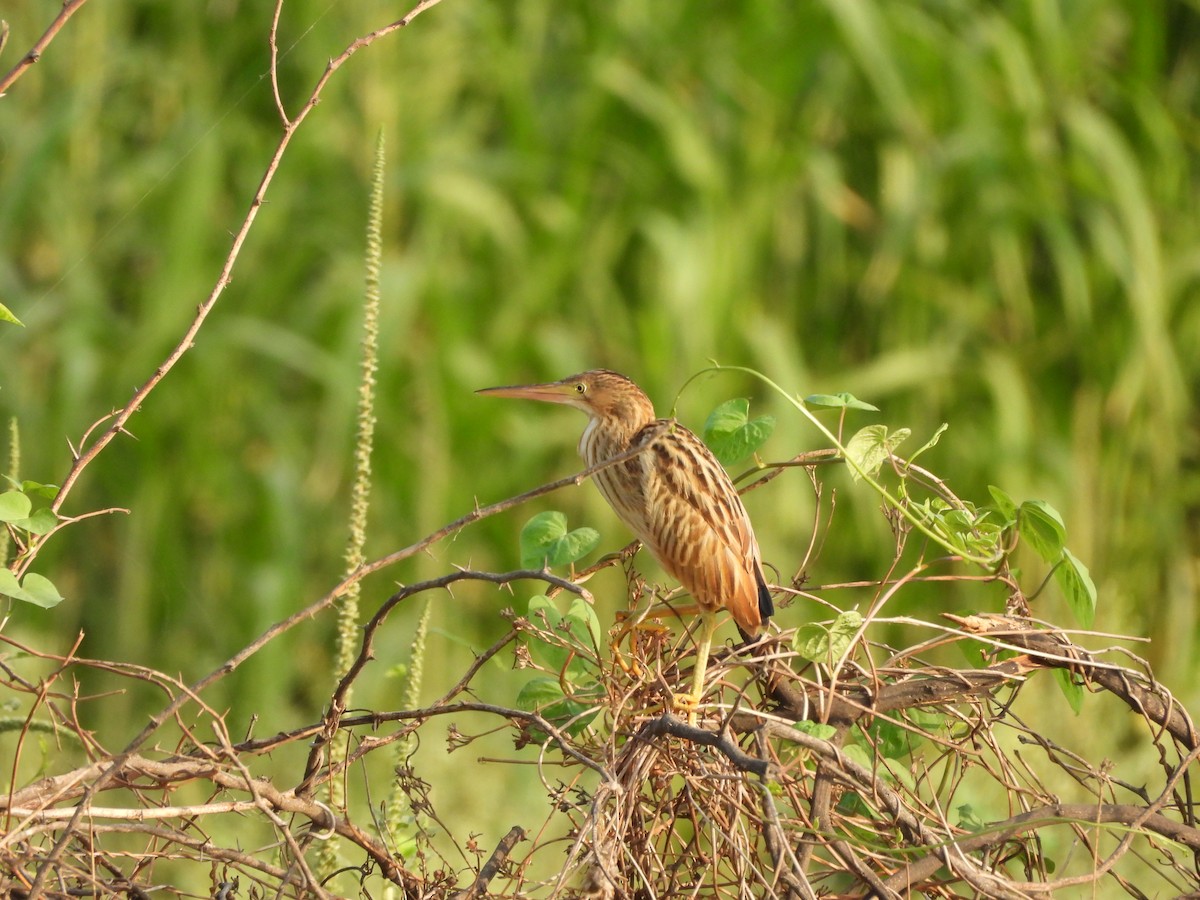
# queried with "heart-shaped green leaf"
point(49, 491)
point(871, 447)
point(14, 506)
point(35, 589)
point(815, 729)
point(9, 586)
point(41, 522)
point(539, 692)
point(815, 642)
point(544, 614)
point(545, 695)
point(732, 435)
point(582, 626)
point(40, 591)
point(546, 541)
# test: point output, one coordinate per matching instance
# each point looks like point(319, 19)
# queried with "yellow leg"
point(708, 627)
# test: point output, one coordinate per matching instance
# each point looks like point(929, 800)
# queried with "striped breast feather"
point(697, 526)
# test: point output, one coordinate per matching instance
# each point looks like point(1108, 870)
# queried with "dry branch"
point(69, 8)
point(1051, 649)
point(764, 802)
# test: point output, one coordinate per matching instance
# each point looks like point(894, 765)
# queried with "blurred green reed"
point(973, 212)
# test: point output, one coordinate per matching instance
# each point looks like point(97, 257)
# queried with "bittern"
point(675, 497)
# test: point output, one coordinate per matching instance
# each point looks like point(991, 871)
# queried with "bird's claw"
point(687, 703)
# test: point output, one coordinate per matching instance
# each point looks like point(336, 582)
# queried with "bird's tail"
point(766, 609)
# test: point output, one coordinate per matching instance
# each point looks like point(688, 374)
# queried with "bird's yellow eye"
point(581, 388)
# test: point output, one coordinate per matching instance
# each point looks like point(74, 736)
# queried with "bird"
point(675, 497)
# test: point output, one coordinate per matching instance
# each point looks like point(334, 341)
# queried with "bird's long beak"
point(550, 392)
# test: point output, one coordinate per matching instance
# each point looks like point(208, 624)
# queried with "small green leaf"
point(49, 491)
point(1042, 526)
point(729, 416)
point(542, 605)
point(14, 506)
point(577, 544)
point(1075, 581)
point(539, 692)
point(816, 729)
point(41, 522)
point(732, 435)
point(871, 447)
point(583, 624)
point(963, 527)
point(538, 537)
point(959, 521)
point(546, 542)
point(40, 591)
point(544, 695)
point(1004, 504)
point(893, 741)
point(929, 721)
point(984, 540)
point(35, 589)
point(811, 642)
point(1071, 689)
point(9, 586)
point(844, 628)
point(932, 442)
point(969, 819)
point(840, 400)
point(7, 316)
point(553, 656)
point(859, 754)
point(818, 644)
point(580, 623)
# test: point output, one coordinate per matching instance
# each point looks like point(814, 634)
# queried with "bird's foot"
point(687, 703)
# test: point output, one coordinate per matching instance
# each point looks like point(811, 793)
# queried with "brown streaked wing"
point(697, 526)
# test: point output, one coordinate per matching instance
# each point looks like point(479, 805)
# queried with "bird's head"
point(602, 394)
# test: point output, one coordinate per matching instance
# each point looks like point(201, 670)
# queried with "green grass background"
point(976, 212)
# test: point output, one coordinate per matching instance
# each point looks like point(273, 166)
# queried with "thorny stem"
point(290, 126)
point(69, 8)
point(88, 454)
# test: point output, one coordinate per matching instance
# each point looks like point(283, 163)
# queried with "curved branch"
point(1055, 814)
point(851, 702)
point(667, 724)
point(86, 455)
point(1052, 650)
